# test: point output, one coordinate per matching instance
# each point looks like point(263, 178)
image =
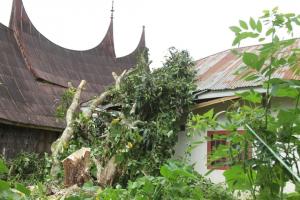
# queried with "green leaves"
point(252, 23)
point(243, 35)
point(3, 168)
point(237, 179)
point(270, 31)
point(251, 96)
point(235, 29)
point(177, 181)
point(255, 25)
point(242, 31)
point(259, 26)
point(145, 120)
point(285, 88)
point(243, 24)
point(198, 123)
point(22, 189)
point(263, 176)
point(250, 59)
point(4, 186)
point(284, 91)
point(253, 61)
point(20, 192)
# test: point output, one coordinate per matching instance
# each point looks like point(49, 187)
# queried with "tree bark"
point(58, 146)
point(76, 167)
point(62, 142)
point(108, 174)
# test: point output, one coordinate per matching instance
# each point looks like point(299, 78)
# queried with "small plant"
point(65, 102)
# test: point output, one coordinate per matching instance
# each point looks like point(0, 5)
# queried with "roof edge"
point(18, 124)
point(18, 13)
point(227, 92)
point(140, 46)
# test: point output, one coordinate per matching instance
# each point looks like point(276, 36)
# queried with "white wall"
point(198, 156)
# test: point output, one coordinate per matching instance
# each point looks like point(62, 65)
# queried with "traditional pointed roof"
point(39, 70)
point(130, 59)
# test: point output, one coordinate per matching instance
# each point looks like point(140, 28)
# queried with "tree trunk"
point(76, 167)
point(58, 146)
point(108, 174)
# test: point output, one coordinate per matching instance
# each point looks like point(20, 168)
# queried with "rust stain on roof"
point(217, 72)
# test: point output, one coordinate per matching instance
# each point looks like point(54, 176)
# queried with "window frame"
point(210, 148)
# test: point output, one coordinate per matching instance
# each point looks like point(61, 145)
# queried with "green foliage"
point(3, 168)
point(28, 168)
point(177, 181)
point(65, 102)
point(237, 179)
point(87, 192)
point(140, 130)
point(262, 174)
point(7, 192)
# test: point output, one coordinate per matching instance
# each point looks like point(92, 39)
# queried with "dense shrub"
point(27, 168)
point(177, 181)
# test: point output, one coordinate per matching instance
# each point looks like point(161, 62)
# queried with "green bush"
point(177, 181)
point(27, 168)
point(9, 191)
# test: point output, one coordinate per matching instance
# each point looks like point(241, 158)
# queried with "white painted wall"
point(198, 156)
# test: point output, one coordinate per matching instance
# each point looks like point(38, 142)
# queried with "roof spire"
point(112, 9)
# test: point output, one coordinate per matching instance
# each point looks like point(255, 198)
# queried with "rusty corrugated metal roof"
point(217, 72)
point(34, 72)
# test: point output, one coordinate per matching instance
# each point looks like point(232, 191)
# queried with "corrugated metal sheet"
point(34, 71)
point(217, 72)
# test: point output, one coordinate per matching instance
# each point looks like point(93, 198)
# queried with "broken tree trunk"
point(76, 167)
point(58, 146)
point(108, 174)
point(62, 142)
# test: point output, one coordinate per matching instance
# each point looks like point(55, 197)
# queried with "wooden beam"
point(213, 102)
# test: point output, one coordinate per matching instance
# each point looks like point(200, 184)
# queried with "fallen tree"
point(132, 127)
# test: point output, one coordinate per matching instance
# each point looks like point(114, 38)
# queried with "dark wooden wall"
point(16, 139)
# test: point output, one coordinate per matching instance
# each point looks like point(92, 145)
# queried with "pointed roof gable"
point(34, 71)
point(131, 58)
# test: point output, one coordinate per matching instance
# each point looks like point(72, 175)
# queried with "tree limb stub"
point(118, 79)
point(100, 99)
point(58, 146)
point(97, 101)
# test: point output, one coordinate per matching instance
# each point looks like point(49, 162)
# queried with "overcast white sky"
point(196, 25)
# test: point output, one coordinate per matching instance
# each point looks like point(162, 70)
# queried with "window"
point(215, 140)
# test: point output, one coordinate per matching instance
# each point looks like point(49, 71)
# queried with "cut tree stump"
point(76, 167)
point(108, 174)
